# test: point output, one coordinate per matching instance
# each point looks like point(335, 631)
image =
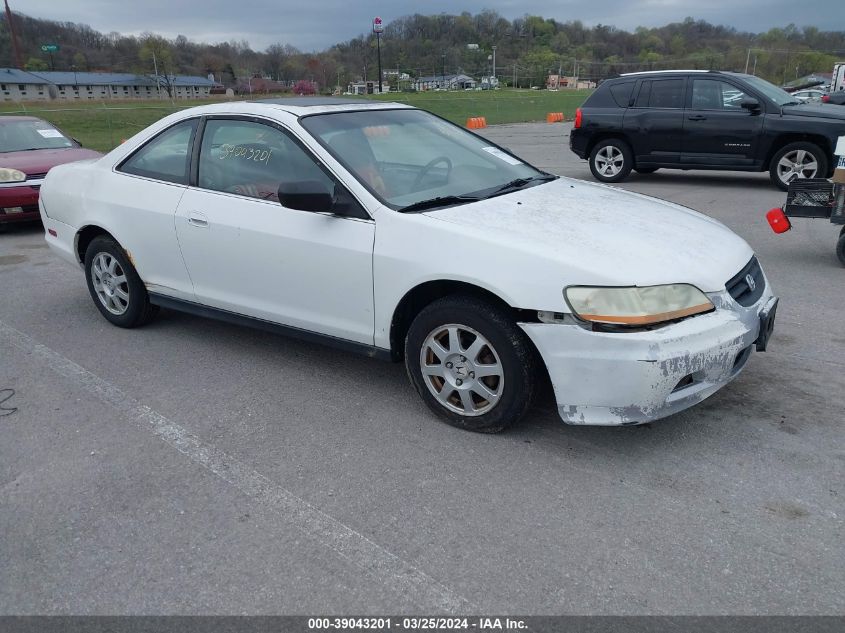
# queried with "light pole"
point(494, 66)
point(443, 56)
point(378, 27)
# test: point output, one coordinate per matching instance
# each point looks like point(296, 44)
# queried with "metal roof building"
point(20, 85)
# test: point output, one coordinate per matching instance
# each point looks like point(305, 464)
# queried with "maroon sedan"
point(29, 147)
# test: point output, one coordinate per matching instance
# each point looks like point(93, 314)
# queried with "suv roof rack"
point(655, 72)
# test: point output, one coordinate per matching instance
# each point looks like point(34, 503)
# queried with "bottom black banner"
point(431, 624)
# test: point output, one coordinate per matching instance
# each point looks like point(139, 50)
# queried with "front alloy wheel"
point(462, 370)
point(471, 363)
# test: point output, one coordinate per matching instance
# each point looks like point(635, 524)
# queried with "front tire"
point(115, 286)
point(611, 160)
point(471, 364)
point(795, 161)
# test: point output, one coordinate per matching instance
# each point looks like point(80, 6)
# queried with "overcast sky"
point(318, 24)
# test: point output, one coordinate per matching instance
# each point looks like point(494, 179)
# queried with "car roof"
point(298, 106)
point(5, 119)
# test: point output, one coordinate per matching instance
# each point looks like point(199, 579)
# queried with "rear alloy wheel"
point(471, 363)
point(797, 161)
point(611, 160)
point(115, 286)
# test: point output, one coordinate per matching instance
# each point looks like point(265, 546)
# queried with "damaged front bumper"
point(611, 379)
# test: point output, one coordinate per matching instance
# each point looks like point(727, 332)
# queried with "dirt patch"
point(8, 260)
point(787, 510)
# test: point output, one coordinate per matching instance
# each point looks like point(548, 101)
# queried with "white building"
point(444, 82)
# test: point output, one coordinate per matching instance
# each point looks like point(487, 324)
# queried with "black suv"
point(687, 119)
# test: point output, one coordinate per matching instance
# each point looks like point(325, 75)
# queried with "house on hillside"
point(19, 85)
point(444, 82)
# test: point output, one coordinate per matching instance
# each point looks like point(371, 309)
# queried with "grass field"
point(102, 125)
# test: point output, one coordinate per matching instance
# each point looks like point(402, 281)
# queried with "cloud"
point(318, 25)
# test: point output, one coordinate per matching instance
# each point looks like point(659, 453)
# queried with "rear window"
point(622, 93)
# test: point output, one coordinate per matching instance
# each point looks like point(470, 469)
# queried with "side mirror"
point(750, 104)
point(306, 195)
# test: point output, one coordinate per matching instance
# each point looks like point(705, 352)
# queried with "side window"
point(667, 93)
point(252, 159)
point(166, 157)
point(643, 95)
point(732, 97)
point(622, 93)
point(711, 94)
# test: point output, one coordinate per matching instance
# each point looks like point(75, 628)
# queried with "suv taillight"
point(578, 117)
point(825, 98)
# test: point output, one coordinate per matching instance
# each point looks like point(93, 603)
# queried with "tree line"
point(527, 50)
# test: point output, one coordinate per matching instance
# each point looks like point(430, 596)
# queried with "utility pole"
point(494, 65)
point(747, 59)
point(155, 68)
point(14, 33)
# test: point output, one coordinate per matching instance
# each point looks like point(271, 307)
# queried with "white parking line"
point(354, 547)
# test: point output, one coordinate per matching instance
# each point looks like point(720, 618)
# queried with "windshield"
point(16, 136)
point(770, 91)
point(409, 157)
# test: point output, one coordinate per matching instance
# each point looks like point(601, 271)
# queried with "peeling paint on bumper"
point(621, 379)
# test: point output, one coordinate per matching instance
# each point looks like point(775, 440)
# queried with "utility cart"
point(816, 198)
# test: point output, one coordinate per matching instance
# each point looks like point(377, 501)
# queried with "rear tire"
point(611, 160)
point(115, 286)
point(471, 364)
point(797, 160)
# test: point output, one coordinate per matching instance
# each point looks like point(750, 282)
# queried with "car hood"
point(815, 110)
point(605, 235)
point(40, 161)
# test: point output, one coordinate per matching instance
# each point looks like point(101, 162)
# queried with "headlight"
point(636, 306)
point(11, 175)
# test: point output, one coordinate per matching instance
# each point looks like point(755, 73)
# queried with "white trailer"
point(838, 81)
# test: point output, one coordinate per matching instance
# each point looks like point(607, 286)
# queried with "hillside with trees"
point(527, 50)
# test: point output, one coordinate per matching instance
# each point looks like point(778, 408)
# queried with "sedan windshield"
point(18, 136)
point(412, 160)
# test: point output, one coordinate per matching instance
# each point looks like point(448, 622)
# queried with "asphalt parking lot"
point(192, 466)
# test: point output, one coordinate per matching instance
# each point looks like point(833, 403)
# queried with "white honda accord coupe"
point(383, 229)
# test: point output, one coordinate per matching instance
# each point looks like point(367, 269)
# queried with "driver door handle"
point(197, 219)
point(697, 117)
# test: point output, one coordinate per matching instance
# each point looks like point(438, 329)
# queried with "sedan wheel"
point(114, 284)
point(462, 370)
point(797, 161)
point(471, 363)
point(110, 283)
